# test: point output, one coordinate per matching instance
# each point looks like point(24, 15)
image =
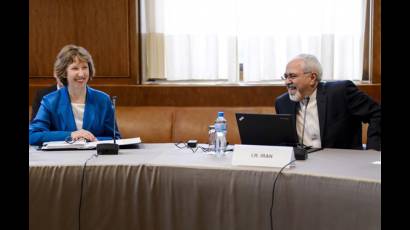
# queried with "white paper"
point(266, 156)
point(127, 141)
point(82, 144)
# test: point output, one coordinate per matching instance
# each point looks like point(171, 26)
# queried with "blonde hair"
point(66, 56)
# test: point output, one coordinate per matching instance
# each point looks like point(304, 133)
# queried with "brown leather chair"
point(150, 123)
point(193, 122)
point(364, 132)
point(165, 124)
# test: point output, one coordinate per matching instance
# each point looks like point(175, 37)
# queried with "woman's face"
point(78, 73)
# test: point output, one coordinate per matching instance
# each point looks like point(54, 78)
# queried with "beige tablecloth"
point(160, 186)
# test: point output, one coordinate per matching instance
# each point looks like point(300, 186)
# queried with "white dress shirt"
point(311, 136)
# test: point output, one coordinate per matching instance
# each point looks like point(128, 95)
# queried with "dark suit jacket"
point(39, 96)
point(342, 108)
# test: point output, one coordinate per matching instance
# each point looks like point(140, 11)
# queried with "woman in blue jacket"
point(75, 111)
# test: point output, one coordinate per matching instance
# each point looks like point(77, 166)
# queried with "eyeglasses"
point(292, 76)
point(70, 140)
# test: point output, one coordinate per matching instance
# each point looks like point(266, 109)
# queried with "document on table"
point(82, 144)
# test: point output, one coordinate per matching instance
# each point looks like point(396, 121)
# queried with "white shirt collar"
point(312, 97)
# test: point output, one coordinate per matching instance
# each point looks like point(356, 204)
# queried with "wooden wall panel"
point(109, 29)
point(148, 95)
point(48, 33)
point(104, 28)
point(377, 42)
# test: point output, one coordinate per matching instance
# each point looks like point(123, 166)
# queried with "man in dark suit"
point(332, 112)
point(40, 94)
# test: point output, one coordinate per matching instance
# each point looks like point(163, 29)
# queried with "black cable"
point(273, 193)
point(204, 149)
point(81, 190)
point(183, 145)
point(314, 150)
point(179, 143)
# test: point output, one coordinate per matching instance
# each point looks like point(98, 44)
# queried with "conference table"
point(162, 186)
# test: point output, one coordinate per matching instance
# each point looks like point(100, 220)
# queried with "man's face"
point(299, 83)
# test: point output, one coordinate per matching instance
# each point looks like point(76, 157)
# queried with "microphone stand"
point(109, 148)
point(301, 150)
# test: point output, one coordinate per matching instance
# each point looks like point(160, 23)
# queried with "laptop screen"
point(267, 129)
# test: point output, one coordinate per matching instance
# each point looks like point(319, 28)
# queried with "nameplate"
point(260, 155)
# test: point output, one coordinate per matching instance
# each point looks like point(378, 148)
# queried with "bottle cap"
point(220, 114)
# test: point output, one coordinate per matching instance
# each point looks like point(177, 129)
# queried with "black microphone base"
point(107, 149)
point(300, 153)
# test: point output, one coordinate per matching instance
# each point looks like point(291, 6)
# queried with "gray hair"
point(311, 64)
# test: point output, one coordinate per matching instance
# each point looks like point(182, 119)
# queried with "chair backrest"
point(193, 122)
point(151, 123)
point(162, 124)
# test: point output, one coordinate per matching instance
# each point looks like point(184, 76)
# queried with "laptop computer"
point(267, 129)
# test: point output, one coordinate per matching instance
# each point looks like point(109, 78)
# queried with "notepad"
point(82, 144)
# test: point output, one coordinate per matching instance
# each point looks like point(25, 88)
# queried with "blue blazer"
point(342, 108)
point(55, 120)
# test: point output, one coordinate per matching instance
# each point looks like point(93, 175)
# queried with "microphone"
point(109, 148)
point(301, 150)
point(114, 99)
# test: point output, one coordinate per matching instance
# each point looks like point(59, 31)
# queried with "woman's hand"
point(82, 133)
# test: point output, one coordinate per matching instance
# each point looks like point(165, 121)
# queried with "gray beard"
point(294, 98)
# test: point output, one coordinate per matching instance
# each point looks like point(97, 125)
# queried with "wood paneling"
point(109, 29)
point(135, 49)
point(366, 46)
point(104, 28)
point(377, 42)
point(148, 95)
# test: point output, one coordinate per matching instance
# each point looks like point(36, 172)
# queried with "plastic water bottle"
point(220, 134)
point(211, 138)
